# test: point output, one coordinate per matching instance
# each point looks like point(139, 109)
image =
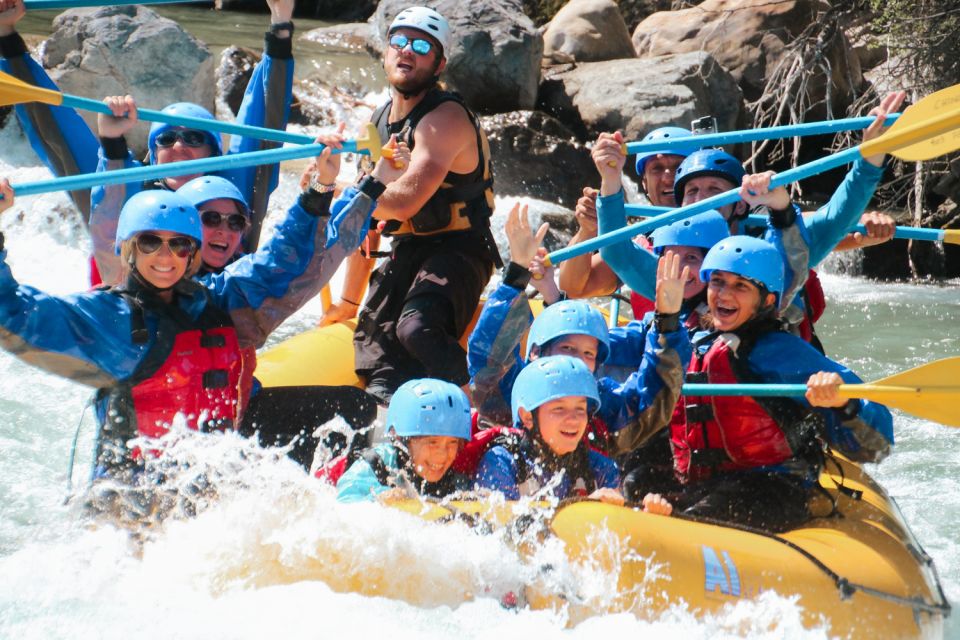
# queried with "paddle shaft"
point(752, 135)
point(187, 167)
point(37, 5)
point(902, 232)
point(904, 136)
point(260, 133)
point(714, 202)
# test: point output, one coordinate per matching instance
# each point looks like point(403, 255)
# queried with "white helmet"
point(427, 20)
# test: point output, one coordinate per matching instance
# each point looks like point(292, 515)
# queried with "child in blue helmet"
point(756, 461)
point(630, 410)
point(164, 344)
point(428, 420)
point(553, 398)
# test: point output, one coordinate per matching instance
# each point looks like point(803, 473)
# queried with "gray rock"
point(587, 31)
point(749, 38)
point(636, 96)
point(494, 61)
point(117, 50)
point(233, 75)
point(535, 155)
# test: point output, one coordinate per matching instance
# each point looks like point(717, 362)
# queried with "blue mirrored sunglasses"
point(418, 45)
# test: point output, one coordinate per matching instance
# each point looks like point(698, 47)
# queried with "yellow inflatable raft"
point(857, 568)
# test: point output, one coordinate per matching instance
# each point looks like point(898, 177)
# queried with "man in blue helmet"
point(588, 275)
point(67, 147)
point(422, 297)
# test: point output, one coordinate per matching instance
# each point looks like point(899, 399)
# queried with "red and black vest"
point(737, 433)
point(195, 368)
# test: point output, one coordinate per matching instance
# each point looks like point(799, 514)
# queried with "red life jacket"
point(723, 433)
point(195, 367)
point(200, 379)
point(814, 305)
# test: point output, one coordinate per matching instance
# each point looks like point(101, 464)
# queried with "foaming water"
point(272, 553)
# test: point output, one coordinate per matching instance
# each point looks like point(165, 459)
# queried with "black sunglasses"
point(418, 45)
point(213, 219)
point(189, 137)
point(180, 246)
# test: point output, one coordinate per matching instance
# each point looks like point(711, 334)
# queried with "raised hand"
point(670, 283)
point(890, 104)
point(326, 166)
point(523, 242)
point(392, 166)
point(586, 213)
point(608, 157)
point(124, 118)
point(755, 191)
point(10, 13)
point(281, 11)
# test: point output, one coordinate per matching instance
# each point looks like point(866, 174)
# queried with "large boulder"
point(587, 31)
point(117, 50)
point(750, 38)
point(636, 96)
point(494, 61)
point(535, 155)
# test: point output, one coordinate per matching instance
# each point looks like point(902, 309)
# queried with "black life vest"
point(464, 202)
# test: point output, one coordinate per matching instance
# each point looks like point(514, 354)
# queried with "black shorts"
point(455, 267)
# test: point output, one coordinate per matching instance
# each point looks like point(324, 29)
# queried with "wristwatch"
point(319, 187)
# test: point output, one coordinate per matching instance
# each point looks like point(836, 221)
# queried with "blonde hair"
point(129, 253)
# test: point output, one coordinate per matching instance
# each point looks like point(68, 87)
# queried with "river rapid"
point(268, 556)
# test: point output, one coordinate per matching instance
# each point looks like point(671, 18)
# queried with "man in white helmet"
point(424, 295)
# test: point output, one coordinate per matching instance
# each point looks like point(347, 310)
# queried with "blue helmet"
point(707, 162)
point(747, 257)
point(429, 407)
point(664, 133)
point(158, 210)
point(550, 378)
point(190, 110)
point(702, 230)
point(569, 317)
point(207, 188)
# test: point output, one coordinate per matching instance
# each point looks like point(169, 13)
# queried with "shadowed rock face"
point(128, 50)
point(494, 61)
point(535, 155)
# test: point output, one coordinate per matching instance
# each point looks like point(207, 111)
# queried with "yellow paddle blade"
point(951, 236)
point(14, 91)
point(928, 129)
point(370, 140)
point(930, 391)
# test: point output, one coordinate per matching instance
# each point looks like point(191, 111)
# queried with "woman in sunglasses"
point(164, 346)
point(67, 146)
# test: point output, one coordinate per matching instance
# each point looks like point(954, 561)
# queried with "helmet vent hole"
point(450, 401)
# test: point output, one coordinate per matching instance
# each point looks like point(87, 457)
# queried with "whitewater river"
point(268, 557)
